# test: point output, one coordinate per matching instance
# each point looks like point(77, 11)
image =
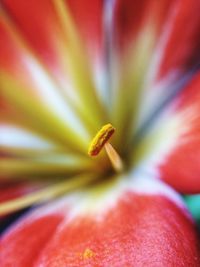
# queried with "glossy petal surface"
point(132, 230)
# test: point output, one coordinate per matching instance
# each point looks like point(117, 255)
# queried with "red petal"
point(130, 16)
point(11, 56)
point(183, 40)
point(181, 167)
point(138, 230)
point(14, 190)
point(37, 42)
point(37, 29)
point(88, 16)
point(39, 23)
point(36, 235)
point(8, 192)
point(177, 27)
point(135, 233)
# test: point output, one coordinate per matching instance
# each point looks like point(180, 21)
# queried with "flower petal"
point(181, 167)
point(176, 54)
point(172, 146)
point(157, 51)
point(60, 42)
point(124, 227)
point(176, 49)
point(28, 88)
point(39, 30)
point(11, 191)
point(131, 16)
point(182, 39)
point(137, 26)
point(43, 228)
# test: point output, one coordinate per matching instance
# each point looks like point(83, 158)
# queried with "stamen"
point(100, 140)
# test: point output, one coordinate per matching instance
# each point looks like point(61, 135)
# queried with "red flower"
point(67, 67)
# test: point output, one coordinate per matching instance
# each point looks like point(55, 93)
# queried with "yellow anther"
point(100, 139)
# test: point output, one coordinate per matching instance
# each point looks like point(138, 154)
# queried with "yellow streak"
point(88, 253)
point(39, 115)
point(26, 49)
point(45, 194)
point(77, 64)
point(13, 168)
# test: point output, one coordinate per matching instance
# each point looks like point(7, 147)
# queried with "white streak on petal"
point(11, 136)
point(86, 204)
point(146, 185)
point(50, 95)
point(158, 90)
point(166, 135)
point(152, 96)
point(137, 182)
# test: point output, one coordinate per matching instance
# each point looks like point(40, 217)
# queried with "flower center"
point(100, 141)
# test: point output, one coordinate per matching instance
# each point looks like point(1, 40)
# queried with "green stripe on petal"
point(41, 117)
point(73, 57)
point(49, 167)
point(46, 194)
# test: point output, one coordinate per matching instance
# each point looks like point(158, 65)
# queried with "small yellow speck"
point(100, 139)
point(88, 253)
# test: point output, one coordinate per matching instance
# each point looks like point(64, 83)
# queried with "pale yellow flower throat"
point(100, 141)
point(58, 189)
